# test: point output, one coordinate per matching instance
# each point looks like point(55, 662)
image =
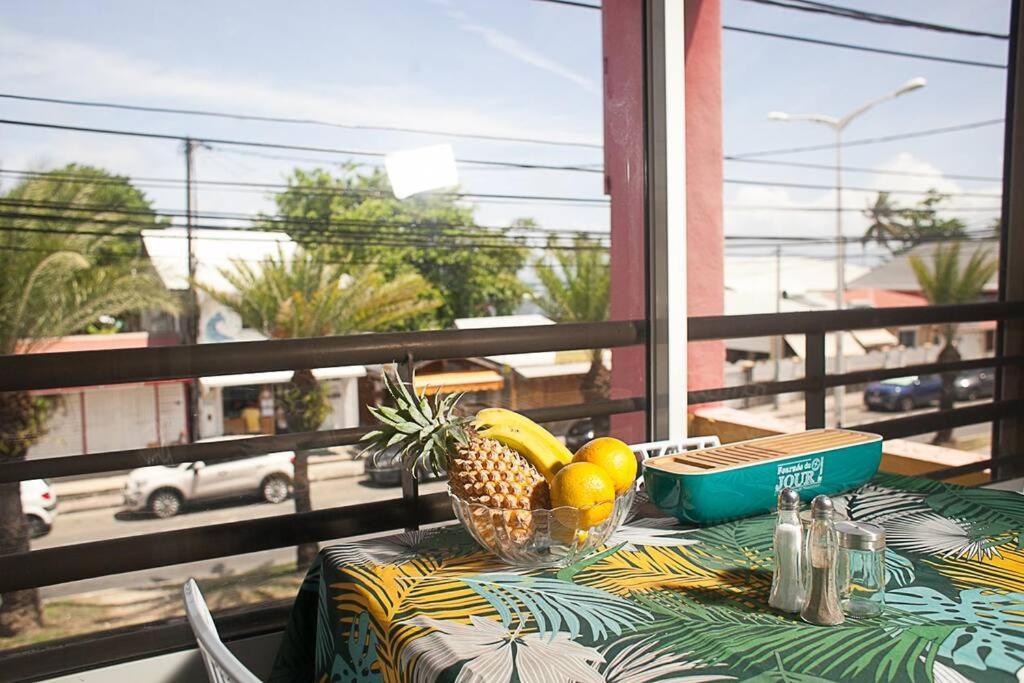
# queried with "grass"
point(112, 609)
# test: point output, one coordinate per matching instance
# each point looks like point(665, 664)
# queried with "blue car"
point(903, 393)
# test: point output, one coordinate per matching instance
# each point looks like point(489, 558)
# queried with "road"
point(92, 525)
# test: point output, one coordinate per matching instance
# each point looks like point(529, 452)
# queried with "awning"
point(877, 337)
point(280, 376)
point(850, 345)
point(450, 382)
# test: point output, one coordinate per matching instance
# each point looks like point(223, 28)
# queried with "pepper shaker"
point(822, 606)
point(787, 594)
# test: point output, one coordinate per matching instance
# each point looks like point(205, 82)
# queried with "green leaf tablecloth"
point(671, 604)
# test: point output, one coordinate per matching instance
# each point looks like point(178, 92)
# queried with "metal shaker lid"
point(789, 499)
point(805, 517)
point(860, 536)
point(821, 507)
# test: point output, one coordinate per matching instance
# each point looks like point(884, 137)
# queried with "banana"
point(533, 442)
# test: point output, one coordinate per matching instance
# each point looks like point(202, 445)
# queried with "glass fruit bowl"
point(538, 538)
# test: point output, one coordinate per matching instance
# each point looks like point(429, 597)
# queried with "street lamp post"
point(838, 125)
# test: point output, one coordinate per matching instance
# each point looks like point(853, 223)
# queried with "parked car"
point(974, 384)
point(39, 505)
point(587, 429)
point(903, 393)
point(164, 491)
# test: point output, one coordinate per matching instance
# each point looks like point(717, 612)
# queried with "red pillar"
point(624, 137)
point(705, 245)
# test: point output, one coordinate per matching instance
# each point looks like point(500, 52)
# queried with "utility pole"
point(192, 316)
point(838, 124)
point(777, 341)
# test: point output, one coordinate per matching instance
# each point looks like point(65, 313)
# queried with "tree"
point(576, 289)
point(355, 218)
point(947, 283)
point(307, 295)
point(70, 253)
point(900, 229)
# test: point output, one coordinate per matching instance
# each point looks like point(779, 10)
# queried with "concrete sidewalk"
point(97, 493)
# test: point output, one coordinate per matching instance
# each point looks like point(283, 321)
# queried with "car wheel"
point(165, 503)
point(275, 488)
point(906, 404)
point(36, 526)
point(972, 395)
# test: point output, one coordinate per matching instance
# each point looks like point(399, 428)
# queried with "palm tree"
point(308, 296)
point(885, 226)
point(576, 289)
point(56, 277)
point(947, 283)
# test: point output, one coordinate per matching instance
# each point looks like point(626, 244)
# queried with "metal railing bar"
point(113, 461)
point(79, 561)
point(902, 427)
point(814, 372)
point(705, 328)
point(90, 368)
point(948, 472)
point(757, 389)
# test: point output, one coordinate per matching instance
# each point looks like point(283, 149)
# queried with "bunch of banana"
point(529, 439)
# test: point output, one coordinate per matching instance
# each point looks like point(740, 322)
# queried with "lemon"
point(586, 487)
point(614, 457)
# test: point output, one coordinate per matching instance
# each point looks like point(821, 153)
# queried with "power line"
point(810, 185)
point(858, 169)
point(273, 145)
point(874, 17)
point(292, 120)
point(863, 48)
point(871, 141)
point(571, 3)
point(753, 207)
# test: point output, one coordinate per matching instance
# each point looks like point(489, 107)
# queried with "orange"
point(588, 488)
point(614, 457)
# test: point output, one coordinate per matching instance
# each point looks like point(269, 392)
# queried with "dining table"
point(664, 601)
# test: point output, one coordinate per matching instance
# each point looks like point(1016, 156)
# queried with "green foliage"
point(576, 285)
point(354, 218)
point(899, 229)
point(55, 281)
point(947, 283)
point(22, 421)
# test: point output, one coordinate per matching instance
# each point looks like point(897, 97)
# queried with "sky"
point(518, 68)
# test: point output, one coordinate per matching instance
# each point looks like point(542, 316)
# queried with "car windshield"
point(901, 381)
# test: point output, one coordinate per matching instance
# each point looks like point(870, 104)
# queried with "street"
point(106, 523)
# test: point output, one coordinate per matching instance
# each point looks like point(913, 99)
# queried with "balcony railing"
point(38, 568)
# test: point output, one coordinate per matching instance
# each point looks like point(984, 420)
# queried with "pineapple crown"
point(425, 432)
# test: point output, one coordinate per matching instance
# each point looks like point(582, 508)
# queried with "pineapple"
point(480, 470)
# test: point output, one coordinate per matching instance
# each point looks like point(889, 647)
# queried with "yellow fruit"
point(588, 488)
point(533, 442)
point(614, 457)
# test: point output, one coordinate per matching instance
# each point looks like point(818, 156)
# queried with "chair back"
point(221, 665)
point(653, 449)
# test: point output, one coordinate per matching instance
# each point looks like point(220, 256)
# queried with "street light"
point(838, 125)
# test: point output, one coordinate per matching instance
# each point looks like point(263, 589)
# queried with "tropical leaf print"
point(901, 483)
point(491, 653)
point(400, 548)
point(928, 533)
point(639, 660)
point(650, 568)
point(1000, 573)
point(780, 675)
point(552, 603)
point(899, 571)
point(874, 503)
point(324, 628)
point(361, 648)
point(988, 628)
point(663, 533)
point(997, 511)
point(745, 637)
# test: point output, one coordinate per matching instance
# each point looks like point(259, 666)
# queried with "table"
point(666, 602)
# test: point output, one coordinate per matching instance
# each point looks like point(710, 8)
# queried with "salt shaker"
point(787, 593)
point(822, 606)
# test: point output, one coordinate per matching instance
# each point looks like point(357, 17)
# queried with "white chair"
point(221, 665)
point(653, 449)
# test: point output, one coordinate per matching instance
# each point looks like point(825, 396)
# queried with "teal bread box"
point(742, 479)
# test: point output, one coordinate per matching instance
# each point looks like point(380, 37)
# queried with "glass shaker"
point(861, 568)
point(805, 523)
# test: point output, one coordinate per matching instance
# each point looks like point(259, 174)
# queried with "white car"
point(39, 505)
point(164, 490)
